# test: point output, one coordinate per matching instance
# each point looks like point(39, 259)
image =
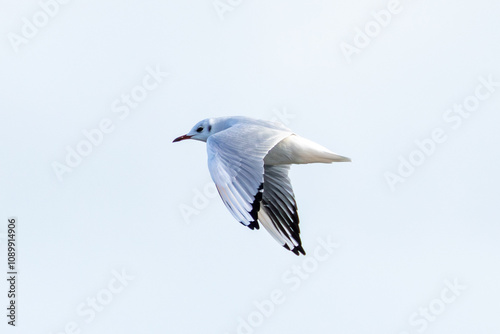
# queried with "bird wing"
point(236, 164)
point(278, 211)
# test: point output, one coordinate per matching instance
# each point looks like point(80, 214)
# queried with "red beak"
point(181, 138)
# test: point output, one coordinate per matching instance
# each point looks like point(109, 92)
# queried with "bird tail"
point(328, 157)
point(298, 150)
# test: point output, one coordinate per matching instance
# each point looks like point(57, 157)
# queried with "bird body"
point(249, 160)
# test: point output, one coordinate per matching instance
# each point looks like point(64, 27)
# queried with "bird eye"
point(199, 129)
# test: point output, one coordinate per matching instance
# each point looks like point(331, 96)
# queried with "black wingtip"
point(253, 225)
point(256, 203)
point(296, 250)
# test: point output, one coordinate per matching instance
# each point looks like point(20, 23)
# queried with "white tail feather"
point(298, 150)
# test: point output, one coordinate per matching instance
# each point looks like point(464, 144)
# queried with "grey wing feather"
point(236, 164)
point(278, 211)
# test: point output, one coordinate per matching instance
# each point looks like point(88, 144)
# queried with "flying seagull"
point(249, 161)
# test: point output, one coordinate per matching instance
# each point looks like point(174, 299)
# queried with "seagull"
point(249, 160)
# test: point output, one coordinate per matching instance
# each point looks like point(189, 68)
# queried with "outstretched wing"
point(236, 164)
point(278, 211)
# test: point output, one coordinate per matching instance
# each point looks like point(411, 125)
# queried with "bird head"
point(201, 131)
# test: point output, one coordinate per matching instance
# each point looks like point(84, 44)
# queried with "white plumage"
point(249, 160)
